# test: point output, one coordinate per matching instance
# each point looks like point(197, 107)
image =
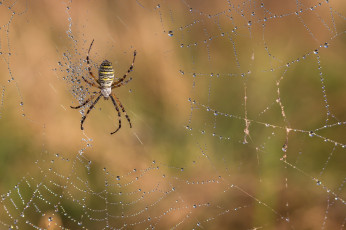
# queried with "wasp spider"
point(105, 84)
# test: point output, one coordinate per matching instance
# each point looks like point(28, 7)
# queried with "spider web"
point(238, 113)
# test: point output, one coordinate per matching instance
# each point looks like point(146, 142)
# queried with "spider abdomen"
point(106, 74)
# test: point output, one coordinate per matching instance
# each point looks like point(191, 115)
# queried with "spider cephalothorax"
point(105, 84)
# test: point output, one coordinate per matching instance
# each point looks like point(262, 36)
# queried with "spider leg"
point(119, 115)
point(89, 68)
point(122, 108)
point(123, 83)
point(84, 103)
point(128, 71)
point(90, 83)
point(90, 108)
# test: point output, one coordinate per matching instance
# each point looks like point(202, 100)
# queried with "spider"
point(105, 84)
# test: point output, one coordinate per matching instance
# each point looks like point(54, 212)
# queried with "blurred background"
point(238, 114)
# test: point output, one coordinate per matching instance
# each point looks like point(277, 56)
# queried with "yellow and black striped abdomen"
point(106, 74)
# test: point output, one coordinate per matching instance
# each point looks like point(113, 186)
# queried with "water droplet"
point(311, 134)
point(325, 45)
point(249, 23)
point(315, 51)
point(170, 33)
point(318, 182)
point(50, 219)
point(158, 6)
point(194, 206)
point(21, 103)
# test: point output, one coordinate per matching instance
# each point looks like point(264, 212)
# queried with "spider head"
point(106, 92)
